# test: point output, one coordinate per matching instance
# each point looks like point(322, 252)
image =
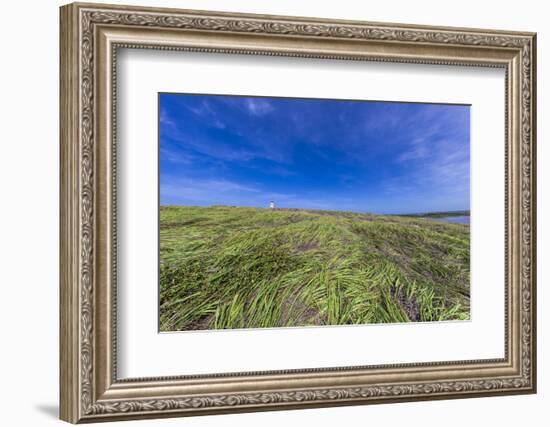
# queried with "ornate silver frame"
point(90, 36)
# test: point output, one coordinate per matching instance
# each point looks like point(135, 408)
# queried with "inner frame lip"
point(467, 364)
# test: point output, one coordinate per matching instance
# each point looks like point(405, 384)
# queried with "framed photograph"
point(266, 212)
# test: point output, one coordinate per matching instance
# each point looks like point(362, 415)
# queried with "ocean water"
point(454, 219)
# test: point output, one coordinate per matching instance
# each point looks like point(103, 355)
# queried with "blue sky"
point(380, 157)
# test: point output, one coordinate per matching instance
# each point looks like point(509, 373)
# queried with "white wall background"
point(29, 170)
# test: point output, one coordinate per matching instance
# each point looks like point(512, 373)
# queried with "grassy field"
point(228, 267)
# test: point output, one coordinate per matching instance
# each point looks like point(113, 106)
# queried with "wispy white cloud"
point(206, 192)
point(222, 149)
point(175, 156)
point(207, 114)
point(417, 150)
point(438, 174)
point(215, 191)
point(165, 119)
point(194, 134)
point(258, 106)
point(254, 106)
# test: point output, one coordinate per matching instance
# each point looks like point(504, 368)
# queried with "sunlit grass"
point(227, 267)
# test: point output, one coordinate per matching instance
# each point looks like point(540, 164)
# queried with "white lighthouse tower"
point(272, 205)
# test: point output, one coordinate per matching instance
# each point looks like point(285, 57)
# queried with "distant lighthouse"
point(272, 205)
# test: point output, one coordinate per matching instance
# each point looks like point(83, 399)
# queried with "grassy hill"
point(228, 267)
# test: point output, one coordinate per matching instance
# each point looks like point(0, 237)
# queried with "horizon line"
point(317, 209)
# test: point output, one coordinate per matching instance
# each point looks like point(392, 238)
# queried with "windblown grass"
point(226, 267)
